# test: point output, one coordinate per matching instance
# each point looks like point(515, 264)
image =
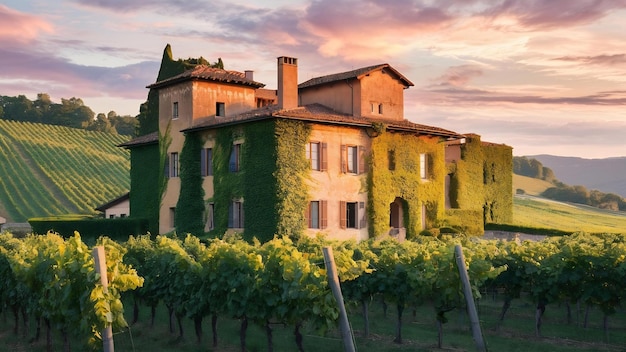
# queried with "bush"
point(89, 228)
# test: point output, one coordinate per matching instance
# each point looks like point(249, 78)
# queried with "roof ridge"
point(352, 74)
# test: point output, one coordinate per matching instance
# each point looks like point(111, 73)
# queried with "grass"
point(544, 213)
point(530, 210)
point(531, 186)
point(419, 333)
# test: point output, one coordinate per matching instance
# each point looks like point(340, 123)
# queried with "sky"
point(544, 77)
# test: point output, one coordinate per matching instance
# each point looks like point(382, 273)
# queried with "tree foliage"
point(70, 112)
point(532, 168)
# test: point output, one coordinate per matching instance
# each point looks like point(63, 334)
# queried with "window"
point(174, 164)
point(122, 215)
point(175, 110)
point(377, 108)
point(353, 159)
point(206, 162)
point(171, 165)
point(424, 166)
point(349, 215)
point(209, 223)
point(235, 215)
point(316, 154)
point(391, 156)
point(316, 215)
point(172, 216)
point(220, 109)
point(112, 216)
point(234, 162)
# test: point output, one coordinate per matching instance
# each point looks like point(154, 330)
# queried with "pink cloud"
point(19, 27)
point(459, 75)
point(608, 60)
point(542, 14)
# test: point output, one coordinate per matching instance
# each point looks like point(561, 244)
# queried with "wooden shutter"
point(323, 214)
point(344, 156)
point(209, 159)
point(363, 220)
point(343, 219)
point(323, 157)
point(307, 215)
point(362, 163)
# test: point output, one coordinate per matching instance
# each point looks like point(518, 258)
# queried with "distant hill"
point(54, 170)
point(606, 175)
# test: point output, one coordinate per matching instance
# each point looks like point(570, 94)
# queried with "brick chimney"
point(287, 82)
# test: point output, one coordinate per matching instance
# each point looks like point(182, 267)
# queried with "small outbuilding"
point(117, 208)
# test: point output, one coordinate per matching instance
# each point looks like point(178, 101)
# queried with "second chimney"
point(287, 82)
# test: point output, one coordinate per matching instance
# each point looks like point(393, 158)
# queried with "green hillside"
point(539, 212)
point(53, 170)
point(530, 185)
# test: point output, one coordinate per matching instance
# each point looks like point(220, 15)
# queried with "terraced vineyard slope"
point(54, 170)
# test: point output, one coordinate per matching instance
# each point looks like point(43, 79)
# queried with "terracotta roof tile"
point(352, 75)
point(268, 94)
point(207, 73)
point(321, 114)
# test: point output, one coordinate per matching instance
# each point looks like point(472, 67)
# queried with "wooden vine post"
point(469, 298)
point(101, 268)
point(333, 281)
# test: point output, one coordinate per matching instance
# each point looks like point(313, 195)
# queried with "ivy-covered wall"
point(405, 181)
point(144, 180)
point(292, 168)
point(189, 216)
point(228, 185)
point(259, 187)
point(270, 181)
point(481, 183)
point(498, 184)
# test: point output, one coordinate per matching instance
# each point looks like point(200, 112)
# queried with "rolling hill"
point(530, 210)
point(53, 170)
point(606, 175)
point(531, 186)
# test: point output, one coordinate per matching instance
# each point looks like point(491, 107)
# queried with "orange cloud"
point(19, 27)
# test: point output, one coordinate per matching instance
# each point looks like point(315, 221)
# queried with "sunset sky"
point(545, 77)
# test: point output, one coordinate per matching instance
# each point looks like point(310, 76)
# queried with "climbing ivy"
point(144, 201)
point(190, 206)
point(228, 185)
point(292, 170)
point(405, 181)
point(481, 186)
point(498, 188)
point(270, 181)
point(259, 186)
point(165, 140)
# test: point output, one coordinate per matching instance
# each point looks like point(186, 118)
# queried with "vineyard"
point(284, 283)
point(54, 170)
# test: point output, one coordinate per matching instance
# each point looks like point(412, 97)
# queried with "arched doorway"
point(396, 218)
